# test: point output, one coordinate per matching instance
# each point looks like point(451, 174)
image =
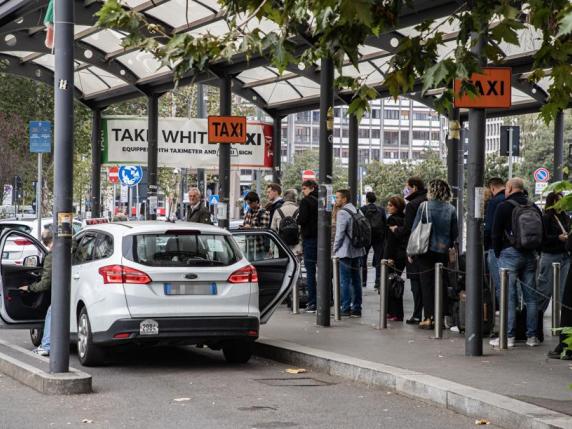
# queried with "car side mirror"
point(31, 261)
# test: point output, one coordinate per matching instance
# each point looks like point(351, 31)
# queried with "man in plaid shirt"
point(256, 218)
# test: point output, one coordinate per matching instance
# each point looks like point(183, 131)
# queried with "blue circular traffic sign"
point(130, 175)
point(541, 175)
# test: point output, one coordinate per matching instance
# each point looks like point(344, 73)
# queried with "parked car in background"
point(18, 248)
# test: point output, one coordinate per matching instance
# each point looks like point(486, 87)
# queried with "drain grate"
point(293, 382)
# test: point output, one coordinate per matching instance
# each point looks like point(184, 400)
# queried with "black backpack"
point(361, 230)
point(288, 229)
point(374, 215)
point(527, 228)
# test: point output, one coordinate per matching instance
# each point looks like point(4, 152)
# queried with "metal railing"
point(336, 281)
point(439, 300)
point(503, 323)
point(556, 306)
point(383, 286)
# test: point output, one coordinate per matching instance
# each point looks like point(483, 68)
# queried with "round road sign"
point(130, 175)
point(541, 175)
point(308, 175)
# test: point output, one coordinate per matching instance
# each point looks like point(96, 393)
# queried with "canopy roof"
point(106, 73)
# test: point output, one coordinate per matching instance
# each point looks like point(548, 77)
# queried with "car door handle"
point(76, 277)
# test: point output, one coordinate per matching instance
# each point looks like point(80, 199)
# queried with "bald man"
point(521, 263)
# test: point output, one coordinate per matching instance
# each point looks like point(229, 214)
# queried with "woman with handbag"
point(394, 253)
point(434, 233)
point(556, 225)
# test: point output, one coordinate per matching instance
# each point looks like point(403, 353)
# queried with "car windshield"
point(182, 249)
point(15, 226)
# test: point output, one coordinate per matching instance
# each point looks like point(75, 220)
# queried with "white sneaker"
point(532, 342)
point(41, 351)
point(495, 342)
point(455, 329)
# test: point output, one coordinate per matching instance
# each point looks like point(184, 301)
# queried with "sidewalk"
point(522, 373)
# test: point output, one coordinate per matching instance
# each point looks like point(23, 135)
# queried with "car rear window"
point(182, 249)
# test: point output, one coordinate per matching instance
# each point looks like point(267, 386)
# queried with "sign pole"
point(114, 200)
point(510, 131)
point(39, 197)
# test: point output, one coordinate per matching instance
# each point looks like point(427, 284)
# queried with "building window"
point(375, 154)
point(375, 113)
point(387, 155)
point(421, 135)
point(316, 115)
point(363, 133)
point(336, 132)
point(303, 116)
point(435, 136)
point(416, 155)
point(363, 156)
point(315, 134)
point(391, 114)
point(404, 115)
point(421, 116)
point(337, 152)
point(391, 138)
point(337, 112)
point(404, 155)
point(345, 133)
point(345, 152)
point(375, 133)
point(404, 138)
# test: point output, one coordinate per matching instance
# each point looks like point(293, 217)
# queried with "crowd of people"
point(518, 236)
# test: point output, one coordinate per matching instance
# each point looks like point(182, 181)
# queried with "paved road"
point(140, 388)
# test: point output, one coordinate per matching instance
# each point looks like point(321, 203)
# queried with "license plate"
point(190, 288)
point(149, 327)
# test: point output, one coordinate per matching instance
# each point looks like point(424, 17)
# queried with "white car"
point(18, 248)
point(159, 282)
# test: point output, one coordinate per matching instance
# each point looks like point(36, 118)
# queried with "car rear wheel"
point(238, 351)
point(88, 353)
point(36, 335)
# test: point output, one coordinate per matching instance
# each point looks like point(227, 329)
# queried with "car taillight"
point(113, 274)
point(22, 242)
point(244, 275)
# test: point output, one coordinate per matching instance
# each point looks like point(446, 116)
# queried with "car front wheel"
point(238, 351)
point(88, 353)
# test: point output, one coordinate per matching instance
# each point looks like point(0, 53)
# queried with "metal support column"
point(453, 141)
point(353, 159)
point(152, 153)
point(224, 156)
point(95, 163)
point(461, 189)
point(324, 288)
point(475, 190)
point(558, 146)
point(277, 149)
point(63, 185)
point(201, 113)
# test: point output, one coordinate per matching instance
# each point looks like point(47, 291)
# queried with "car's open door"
point(19, 309)
point(275, 263)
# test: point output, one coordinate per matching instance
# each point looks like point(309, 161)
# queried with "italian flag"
point(49, 23)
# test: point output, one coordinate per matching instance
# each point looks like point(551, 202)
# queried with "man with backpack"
point(353, 235)
point(275, 200)
point(285, 221)
point(517, 234)
point(377, 220)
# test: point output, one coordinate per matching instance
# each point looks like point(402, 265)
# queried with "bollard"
point(295, 300)
point(439, 300)
point(555, 297)
point(383, 296)
point(503, 323)
point(336, 273)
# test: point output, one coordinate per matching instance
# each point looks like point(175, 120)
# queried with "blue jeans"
point(310, 248)
point(545, 277)
point(521, 266)
point(47, 327)
point(493, 265)
point(350, 284)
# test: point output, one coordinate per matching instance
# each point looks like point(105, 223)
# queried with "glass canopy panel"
point(217, 28)
point(256, 74)
point(277, 92)
point(142, 64)
point(175, 12)
point(519, 97)
point(80, 28)
point(529, 39)
point(87, 83)
point(46, 61)
point(105, 40)
point(305, 86)
point(367, 50)
point(19, 54)
point(134, 3)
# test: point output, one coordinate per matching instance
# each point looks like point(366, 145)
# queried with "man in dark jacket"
point(41, 286)
point(496, 186)
point(377, 219)
point(197, 212)
point(308, 221)
point(415, 194)
point(521, 264)
point(275, 200)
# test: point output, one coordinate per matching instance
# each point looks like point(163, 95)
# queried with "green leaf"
point(565, 26)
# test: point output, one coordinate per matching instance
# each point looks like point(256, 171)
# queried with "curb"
point(30, 369)
point(499, 409)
